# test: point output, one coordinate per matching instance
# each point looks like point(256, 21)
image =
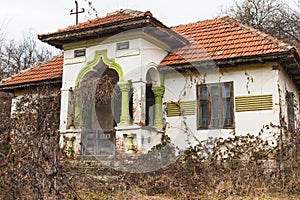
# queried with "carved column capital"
point(124, 86)
point(158, 91)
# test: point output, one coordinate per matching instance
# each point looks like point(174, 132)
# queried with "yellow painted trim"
point(102, 54)
point(253, 103)
point(115, 39)
point(188, 107)
point(248, 67)
point(83, 44)
point(185, 108)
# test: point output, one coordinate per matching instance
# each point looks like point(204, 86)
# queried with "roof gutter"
point(289, 60)
point(202, 65)
point(58, 39)
point(10, 88)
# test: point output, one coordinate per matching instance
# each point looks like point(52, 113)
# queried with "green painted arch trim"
point(101, 54)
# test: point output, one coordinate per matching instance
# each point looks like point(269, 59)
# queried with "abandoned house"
point(126, 78)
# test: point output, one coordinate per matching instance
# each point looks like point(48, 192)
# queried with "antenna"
point(76, 12)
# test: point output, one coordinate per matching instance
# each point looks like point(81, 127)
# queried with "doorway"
point(99, 138)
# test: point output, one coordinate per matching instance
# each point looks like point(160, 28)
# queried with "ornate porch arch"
point(101, 54)
point(158, 89)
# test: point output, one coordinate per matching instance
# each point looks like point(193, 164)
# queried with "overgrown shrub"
point(31, 166)
point(34, 167)
point(5, 106)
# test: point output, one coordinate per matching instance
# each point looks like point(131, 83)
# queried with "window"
point(122, 45)
point(79, 53)
point(290, 110)
point(215, 105)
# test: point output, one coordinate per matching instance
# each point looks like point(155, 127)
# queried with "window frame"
point(221, 97)
point(291, 125)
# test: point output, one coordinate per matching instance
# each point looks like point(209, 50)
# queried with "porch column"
point(125, 118)
point(65, 109)
point(158, 93)
point(139, 104)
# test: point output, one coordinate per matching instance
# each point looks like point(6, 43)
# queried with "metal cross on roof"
point(76, 12)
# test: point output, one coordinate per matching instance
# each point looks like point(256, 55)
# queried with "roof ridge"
point(46, 61)
point(134, 13)
point(279, 43)
point(197, 22)
point(108, 19)
point(127, 11)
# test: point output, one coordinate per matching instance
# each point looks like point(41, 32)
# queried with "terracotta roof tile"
point(112, 24)
point(222, 38)
point(49, 70)
point(110, 18)
point(217, 39)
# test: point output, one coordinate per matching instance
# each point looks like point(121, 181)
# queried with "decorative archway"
point(153, 74)
point(99, 55)
point(154, 93)
point(97, 117)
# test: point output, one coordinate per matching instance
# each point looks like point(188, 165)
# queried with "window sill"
point(71, 131)
point(215, 128)
point(135, 127)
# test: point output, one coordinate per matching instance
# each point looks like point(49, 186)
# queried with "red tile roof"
point(217, 39)
point(117, 16)
point(113, 23)
point(222, 38)
point(48, 70)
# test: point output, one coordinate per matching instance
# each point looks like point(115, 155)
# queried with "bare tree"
point(270, 16)
point(91, 10)
point(17, 56)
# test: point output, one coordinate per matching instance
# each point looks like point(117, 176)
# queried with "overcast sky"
point(18, 17)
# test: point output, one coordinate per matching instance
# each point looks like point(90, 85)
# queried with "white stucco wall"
point(286, 85)
point(247, 80)
point(135, 63)
point(142, 55)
